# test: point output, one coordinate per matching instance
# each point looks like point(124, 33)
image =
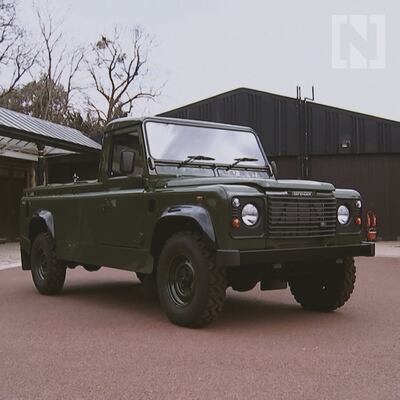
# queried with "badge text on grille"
point(302, 194)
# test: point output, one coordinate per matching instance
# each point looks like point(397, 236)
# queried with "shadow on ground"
point(241, 310)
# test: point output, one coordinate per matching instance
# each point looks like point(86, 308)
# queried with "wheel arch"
point(41, 221)
point(180, 218)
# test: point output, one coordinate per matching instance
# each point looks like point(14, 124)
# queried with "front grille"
point(301, 217)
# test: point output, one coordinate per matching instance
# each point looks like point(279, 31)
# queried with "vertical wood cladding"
point(349, 149)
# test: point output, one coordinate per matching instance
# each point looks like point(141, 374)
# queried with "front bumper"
point(236, 258)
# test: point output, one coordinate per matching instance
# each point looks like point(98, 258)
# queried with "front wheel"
point(47, 274)
point(326, 291)
point(191, 287)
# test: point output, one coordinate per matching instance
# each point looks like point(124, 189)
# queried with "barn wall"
point(281, 123)
point(376, 177)
point(319, 142)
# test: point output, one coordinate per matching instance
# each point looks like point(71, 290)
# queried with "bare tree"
point(75, 61)
point(50, 60)
point(56, 69)
point(9, 32)
point(58, 66)
point(118, 74)
point(49, 94)
point(15, 55)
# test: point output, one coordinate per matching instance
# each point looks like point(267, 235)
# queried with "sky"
point(350, 51)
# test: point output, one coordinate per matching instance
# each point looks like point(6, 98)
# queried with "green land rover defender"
point(194, 208)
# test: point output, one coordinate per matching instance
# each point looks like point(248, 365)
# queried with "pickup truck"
point(194, 208)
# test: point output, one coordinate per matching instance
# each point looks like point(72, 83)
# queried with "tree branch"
point(115, 70)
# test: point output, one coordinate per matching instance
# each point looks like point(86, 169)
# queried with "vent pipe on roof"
point(304, 132)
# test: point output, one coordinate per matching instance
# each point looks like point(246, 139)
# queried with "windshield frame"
point(205, 164)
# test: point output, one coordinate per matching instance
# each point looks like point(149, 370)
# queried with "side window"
point(125, 142)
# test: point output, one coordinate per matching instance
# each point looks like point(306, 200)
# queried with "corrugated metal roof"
point(32, 129)
point(18, 146)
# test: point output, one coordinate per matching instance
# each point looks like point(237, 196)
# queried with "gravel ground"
point(102, 338)
point(9, 255)
point(387, 249)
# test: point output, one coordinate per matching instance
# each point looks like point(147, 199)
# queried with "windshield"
point(175, 142)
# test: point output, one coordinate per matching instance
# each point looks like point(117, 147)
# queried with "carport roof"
point(21, 133)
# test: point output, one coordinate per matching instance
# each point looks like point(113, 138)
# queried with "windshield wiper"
point(239, 160)
point(199, 157)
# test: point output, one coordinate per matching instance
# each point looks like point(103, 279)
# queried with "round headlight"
point(250, 214)
point(343, 215)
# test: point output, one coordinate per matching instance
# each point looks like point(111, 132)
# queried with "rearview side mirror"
point(127, 162)
point(274, 169)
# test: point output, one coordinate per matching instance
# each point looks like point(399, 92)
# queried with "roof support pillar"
point(40, 166)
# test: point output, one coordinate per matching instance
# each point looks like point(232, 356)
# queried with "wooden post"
point(40, 179)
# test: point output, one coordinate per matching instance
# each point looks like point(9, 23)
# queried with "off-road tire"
point(328, 291)
point(207, 293)
point(47, 273)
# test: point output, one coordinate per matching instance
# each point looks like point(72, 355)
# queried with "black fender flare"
point(40, 219)
point(197, 213)
point(47, 218)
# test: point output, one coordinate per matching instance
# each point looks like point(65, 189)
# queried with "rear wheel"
point(47, 274)
point(191, 287)
point(328, 291)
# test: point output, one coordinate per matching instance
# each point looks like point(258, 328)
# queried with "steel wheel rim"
point(181, 281)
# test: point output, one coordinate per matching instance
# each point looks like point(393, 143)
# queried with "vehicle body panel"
point(113, 221)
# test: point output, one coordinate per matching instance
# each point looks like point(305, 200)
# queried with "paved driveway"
point(9, 255)
point(103, 339)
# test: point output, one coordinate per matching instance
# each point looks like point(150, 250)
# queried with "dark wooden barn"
point(315, 141)
point(27, 147)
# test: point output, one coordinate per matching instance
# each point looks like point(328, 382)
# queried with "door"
point(122, 208)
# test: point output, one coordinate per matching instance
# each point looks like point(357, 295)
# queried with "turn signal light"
point(358, 221)
point(236, 223)
point(371, 219)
